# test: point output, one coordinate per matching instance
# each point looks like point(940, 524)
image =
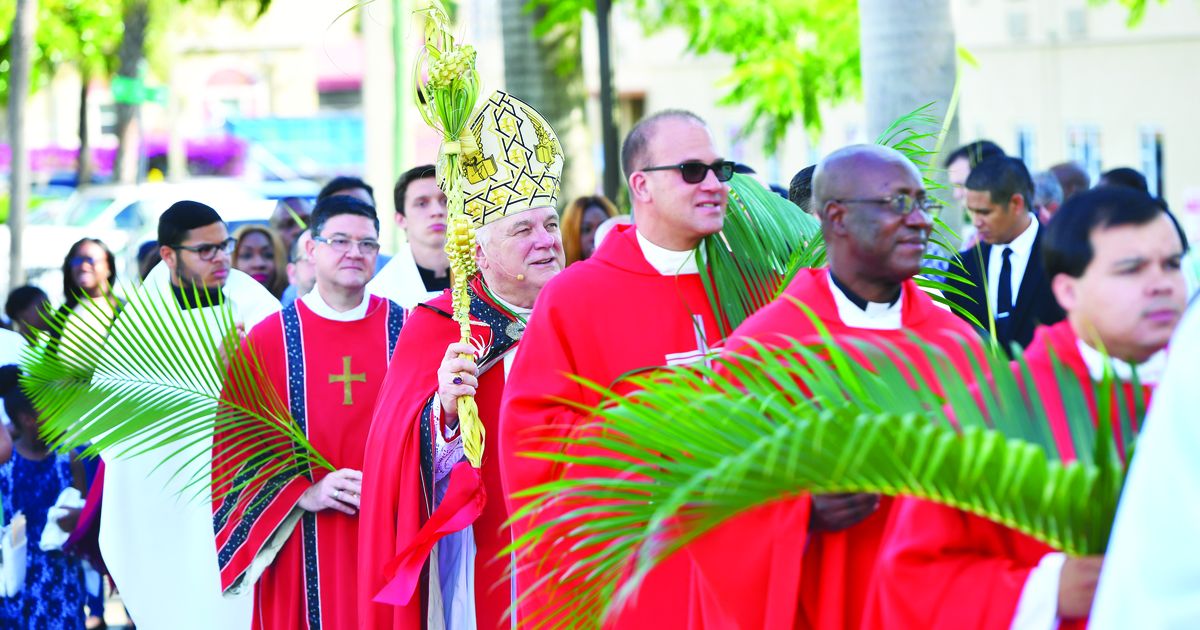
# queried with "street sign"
point(133, 90)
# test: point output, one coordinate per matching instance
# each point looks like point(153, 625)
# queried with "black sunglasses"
point(695, 172)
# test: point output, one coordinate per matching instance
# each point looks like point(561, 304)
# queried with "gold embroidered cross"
point(347, 379)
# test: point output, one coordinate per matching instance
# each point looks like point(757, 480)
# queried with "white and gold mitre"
point(510, 160)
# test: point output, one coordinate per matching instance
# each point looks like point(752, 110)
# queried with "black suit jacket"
point(1034, 304)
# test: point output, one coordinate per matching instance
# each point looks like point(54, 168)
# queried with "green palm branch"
point(809, 418)
point(766, 239)
point(159, 384)
point(910, 134)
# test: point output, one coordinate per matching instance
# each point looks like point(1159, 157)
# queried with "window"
point(1026, 148)
point(130, 218)
point(1152, 159)
point(1018, 26)
point(108, 119)
point(1083, 146)
point(1077, 23)
point(340, 100)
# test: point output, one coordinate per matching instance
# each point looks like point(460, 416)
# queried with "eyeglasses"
point(901, 205)
point(695, 172)
point(79, 261)
point(340, 245)
point(208, 251)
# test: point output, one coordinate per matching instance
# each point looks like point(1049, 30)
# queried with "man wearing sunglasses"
point(326, 355)
point(157, 543)
point(810, 560)
point(637, 304)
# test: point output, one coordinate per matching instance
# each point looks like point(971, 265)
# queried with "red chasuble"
point(329, 373)
point(399, 487)
point(943, 568)
point(600, 319)
point(830, 589)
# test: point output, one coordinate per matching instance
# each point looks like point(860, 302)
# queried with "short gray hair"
point(1046, 189)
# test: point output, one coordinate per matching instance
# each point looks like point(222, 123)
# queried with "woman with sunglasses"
point(89, 270)
point(90, 307)
point(89, 304)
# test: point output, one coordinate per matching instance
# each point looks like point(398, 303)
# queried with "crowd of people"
point(403, 532)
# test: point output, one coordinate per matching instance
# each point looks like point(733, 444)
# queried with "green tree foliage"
point(790, 57)
point(83, 33)
point(1136, 8)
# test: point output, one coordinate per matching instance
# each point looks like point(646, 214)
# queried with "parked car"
point(124, 216)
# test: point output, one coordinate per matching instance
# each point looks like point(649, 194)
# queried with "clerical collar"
point(667, 262)
point(432, 281)
point(856, 312)
point(321, 308)
point(198, 297)
point(1149, 372)
point(520, 311)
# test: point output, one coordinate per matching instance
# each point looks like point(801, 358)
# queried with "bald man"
point(876, 219)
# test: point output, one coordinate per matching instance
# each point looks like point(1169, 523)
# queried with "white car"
point(123, 216)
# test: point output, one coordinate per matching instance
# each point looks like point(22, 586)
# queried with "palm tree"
point(542, 66)
point(908, 60)
point(24, 23)
point(130, 54)
point(139, 17)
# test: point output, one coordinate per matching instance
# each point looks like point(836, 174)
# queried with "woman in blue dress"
point(30, 483)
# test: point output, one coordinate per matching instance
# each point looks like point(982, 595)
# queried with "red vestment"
point(399, 487)
point(599, 319)
point(329, 374)
point(836, 566)
point(943, 568)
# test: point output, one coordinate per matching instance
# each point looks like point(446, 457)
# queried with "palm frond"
point(764, 241)
point(810, 418)
point(153, 385)
point(919, 135)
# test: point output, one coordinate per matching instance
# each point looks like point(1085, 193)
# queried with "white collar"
point(877, 316)
point(667, 262)
point(1149, 372)
point(321, 308)
point(519, 310)
point(1023, 244)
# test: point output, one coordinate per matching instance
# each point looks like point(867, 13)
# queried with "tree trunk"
point(608, 102)
point(129, 56)
point(531, 73)
point(21, 55)
point(908, 60)
point(83, 164)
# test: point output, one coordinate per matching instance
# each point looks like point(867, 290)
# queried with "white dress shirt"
point(1022, 249)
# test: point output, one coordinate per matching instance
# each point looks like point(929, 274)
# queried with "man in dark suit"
point(1008, 284)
